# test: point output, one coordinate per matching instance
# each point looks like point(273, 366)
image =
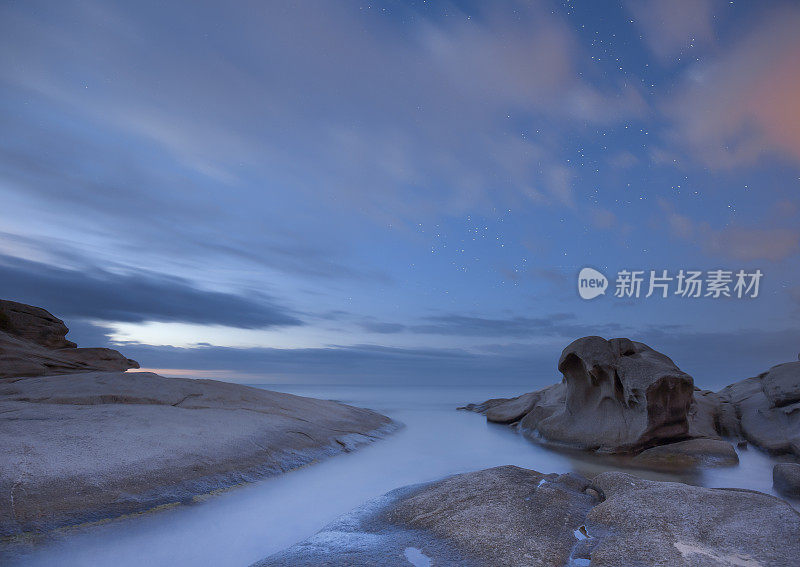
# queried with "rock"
point(689, 453)
point(703, 415)
point(482, 407)
point(618, 396)
point(82, 447)
point(19, 357)
point(786, 479)
point(512, 410)
point(645, 522)
point(505, 516)
point(764, 410)
point(622, 396)
point(508, 516)
point(33, 324)
point(33, 343)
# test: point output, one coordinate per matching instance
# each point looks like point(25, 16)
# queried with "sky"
point(401, 192)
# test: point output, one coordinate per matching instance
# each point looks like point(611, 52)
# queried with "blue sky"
point(400, 192)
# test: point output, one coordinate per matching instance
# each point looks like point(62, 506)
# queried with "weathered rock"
point(622, 396)
point(509, 516)
point(19, 357)
point(618, 396)
point(514, 409)
point(764, 410)
point(82, 447)
point(786, 479)
point(483, 406)
point(33, 324)
point(505, 516)
point(33, 343)
point(646, 522)
point(689, 453)
point(703, 415)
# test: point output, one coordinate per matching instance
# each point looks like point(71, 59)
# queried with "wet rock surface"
point(33, 343)
point(82, 447)
point(508, 516)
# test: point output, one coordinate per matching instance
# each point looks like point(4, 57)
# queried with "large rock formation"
point(622, 396)
point(82, 447)
point(616, 396)
point(508, 516)
point(33, 343)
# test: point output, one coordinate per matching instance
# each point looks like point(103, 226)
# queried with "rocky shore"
point(621, 396)
point(509, 516)
point(617, 397)
point(78, 446)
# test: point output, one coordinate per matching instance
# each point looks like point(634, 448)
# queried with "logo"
point(591, 283)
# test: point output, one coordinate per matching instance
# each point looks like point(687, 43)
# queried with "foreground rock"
point(621, 396)
point(81, 447)
point(508, 516)
point(33, 343)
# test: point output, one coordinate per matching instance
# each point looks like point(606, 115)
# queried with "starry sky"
point(400, 192)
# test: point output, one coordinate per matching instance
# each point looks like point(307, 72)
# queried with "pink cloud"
point(736, 242)
point(734, 108)
point(747, 244)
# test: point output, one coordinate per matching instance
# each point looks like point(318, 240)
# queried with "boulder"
point(616, 396)
point(33, 324)
point(33, 343)
point(514, 409)
point(786, 479)
point(645, 522)
point(509, 516)
point(689, 453)
point(764, 410)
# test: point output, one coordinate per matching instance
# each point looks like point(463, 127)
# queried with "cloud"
point(671, 27)
point(382, 327)
point(774, 244)
point(713, 359)
point(557, 324)
point(416, 125)
point(733, 241)
point(359, 364)
point(134, 297)
point(733, 108)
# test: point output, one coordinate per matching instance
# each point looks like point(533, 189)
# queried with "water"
point(245, 524)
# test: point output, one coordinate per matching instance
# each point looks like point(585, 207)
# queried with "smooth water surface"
point(245, 524)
